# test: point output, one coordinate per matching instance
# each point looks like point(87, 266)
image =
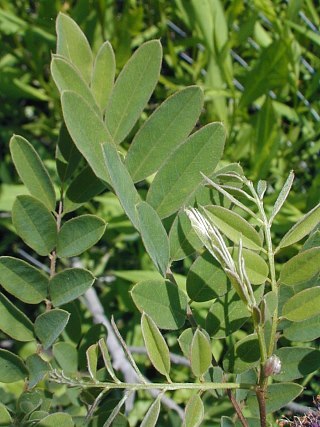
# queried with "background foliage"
point(260, 75)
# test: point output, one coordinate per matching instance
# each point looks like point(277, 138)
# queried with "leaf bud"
point(272, 366)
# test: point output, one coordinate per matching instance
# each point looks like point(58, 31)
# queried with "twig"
point(120, 361)
point(237, 408)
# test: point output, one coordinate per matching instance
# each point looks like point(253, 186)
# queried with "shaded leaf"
point(278, 395)
point(194, 412)
point(68, 157)
point(49, 325)
point(84, 186)
point(200, 353)
point(256, 267)
point(306, 330)
point(183, 239)
point(154, 236)
point(14, 322)
point(32, 171)
point(5, 417)
point(297, 362)
point(180, 177)
point(59, 418)
point(12, 368)
point(133, 89)
point(66, 355)
point(164, 130)
point(73, 44)
point(104, 69)
point(301, 267)
point(22, 280)
point(162, 301)
point(79, 234)
point(156, 346)
point(206, 280)
point(34, 224)
point(37, 368)
point(69, 284)
point(234, 226)
point(151, 417)
point(92, 360)
point(301, 228)
point(67, 77)
point(282, 196)
point(244, 355)
point(302, 306)
point(121, 182)
point(87, 130)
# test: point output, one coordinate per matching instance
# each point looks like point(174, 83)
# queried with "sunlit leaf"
point(303, 305)
point(194, 412)
point(49, 325)
point(200, 353)
point(301, 267)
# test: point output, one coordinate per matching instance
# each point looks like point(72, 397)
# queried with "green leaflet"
point(103, 73)
point(183, 239)
point(133, 89)
point(59, 418)
point(87, 130)
point(164, 130)
point(156, 346)
point(303, 305)
point(151, 417)
point(34, 224)
point(194, 412)
point(234, 226)
point(162, 301)
point(67, 77)
point(5, 417)
point(200, 353)
point(68, 157)
point(14, 322)
point(180, 177)
point(25, 282)
point(79, 234)
point(304, 331)
point(12, 367)
point(84, 187)
point(278, 395)
point(32, 171)
point(297, 362)
point(244, 355)
point(301, 228)
point(92, 360)
point(256, 267)
point(121, 181)
point(301, 267)
point(69, 284)
point(154, 236)
point(49, 325)
point(37, 368)
point(73, 44)
point(206, 279)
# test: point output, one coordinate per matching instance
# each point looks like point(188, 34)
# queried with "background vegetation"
point(260, 76)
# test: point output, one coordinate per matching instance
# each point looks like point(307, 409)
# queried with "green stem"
point(160, 386)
